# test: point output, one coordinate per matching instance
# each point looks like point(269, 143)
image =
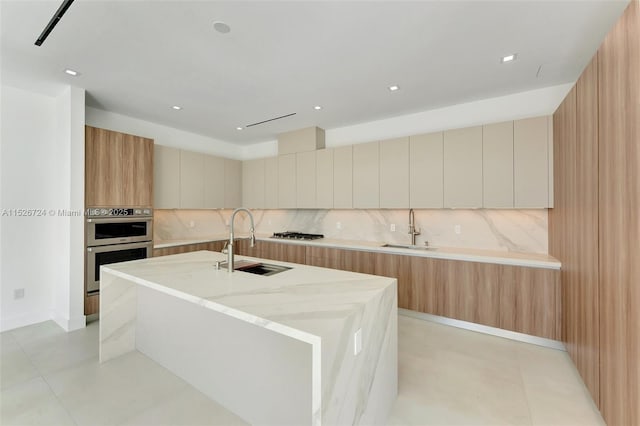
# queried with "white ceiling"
point(139, 58)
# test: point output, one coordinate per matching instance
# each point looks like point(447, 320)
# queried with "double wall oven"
point(115, 235)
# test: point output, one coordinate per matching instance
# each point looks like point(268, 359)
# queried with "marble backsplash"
point(505, 230)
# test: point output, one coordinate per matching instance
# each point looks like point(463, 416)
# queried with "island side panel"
point(262, 376)
point(118, 308)
point(360, 389)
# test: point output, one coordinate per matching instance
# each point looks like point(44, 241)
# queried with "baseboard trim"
point(70, 324)
point(499, 332)
point(23, 320)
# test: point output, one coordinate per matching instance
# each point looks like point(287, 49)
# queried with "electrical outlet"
point(393, 227)
point(338, 225)
point(457, 229)
point(357, 342)
point(18, 293)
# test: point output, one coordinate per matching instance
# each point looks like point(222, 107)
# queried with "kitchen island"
point(305, 346)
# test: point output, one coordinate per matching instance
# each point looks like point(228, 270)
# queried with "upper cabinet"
point(118, 169)
point(253, 184)
point(324, 179)
point(343, 177)
point(497, 165)
point(232, 183)
point(394, 173)
point(531, 162)
point(166, 177)
point(271, 183)
point(463, 168)
point(426, 171)
point(192, 180)
point(306, 180)
point(214, 192)
point(366, 175)
point(287, 181)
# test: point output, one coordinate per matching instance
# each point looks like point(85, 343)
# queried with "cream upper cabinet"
point(366, 176)
point(191, 180)
point(324, 179)
point(213, 182)
point(531, 162)
point(253, 184)
point(343, 177)
point(232, 183)
point(287, 181)
point(271, 183)
point(426, 171)
point(497, 165)
point(166, 177)
point(463, 168)
point(306, 180)
point(394, 173)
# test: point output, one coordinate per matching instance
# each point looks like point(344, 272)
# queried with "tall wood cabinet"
point(118, 169)
point(594, 228)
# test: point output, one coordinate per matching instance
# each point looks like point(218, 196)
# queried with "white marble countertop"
point(280, 302)
point(535, 260)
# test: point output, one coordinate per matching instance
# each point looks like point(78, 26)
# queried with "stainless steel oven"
point(115, 235)
point(116, 226)
point(104, 255)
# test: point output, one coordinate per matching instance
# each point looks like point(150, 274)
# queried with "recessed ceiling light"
point(176, 107)
point(221, 27)
point(317, 107)
point(394, 88)
point(238, 128)
point(71, 72)
point(509, 58)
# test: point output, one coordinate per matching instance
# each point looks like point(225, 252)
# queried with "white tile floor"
point(447, 376)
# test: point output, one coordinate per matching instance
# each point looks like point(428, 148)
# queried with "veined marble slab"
point(287, 337)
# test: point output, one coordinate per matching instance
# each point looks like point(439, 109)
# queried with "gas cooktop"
point(289, 235)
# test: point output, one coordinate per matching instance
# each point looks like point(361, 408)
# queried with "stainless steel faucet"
point(413, 231)
point(252, 237)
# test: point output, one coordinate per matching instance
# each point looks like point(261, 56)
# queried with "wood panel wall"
point(594, 228)
point(619, 202)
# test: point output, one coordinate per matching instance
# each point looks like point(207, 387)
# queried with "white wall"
point(68, 277)
point(162, 135)
point(36, 165)
point(493, 110)
point(29, 174)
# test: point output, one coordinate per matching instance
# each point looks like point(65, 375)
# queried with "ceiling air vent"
point(271, 119)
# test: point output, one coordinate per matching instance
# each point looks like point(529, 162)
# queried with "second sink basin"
point(266, 269)
point(409, 246)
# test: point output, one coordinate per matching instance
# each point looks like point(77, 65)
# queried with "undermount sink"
point(409, 246)
point(258, 268)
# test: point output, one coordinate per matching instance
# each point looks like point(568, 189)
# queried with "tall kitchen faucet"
point(413, 231)
point(252, 237)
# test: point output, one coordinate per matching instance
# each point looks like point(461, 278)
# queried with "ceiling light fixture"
point(509, 58)
point(394, 88)
point(71, 72)
point(221, 27)
point(238, 128)
point(176, 107)
point(317, 107)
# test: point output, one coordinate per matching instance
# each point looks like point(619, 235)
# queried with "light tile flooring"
point(447, 376)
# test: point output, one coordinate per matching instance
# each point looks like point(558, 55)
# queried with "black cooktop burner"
point(296, 235)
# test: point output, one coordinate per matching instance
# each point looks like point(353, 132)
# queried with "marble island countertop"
point(536, 260)
point(293, 333)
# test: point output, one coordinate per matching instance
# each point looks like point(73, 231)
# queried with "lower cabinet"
point(515, 298)
point(211, 246)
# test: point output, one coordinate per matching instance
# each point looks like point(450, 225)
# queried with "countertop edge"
point(445, 254)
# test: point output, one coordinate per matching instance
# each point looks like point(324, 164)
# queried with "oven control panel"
point(118, 212)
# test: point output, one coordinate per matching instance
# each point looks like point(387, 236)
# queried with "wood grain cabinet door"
point(118, 169)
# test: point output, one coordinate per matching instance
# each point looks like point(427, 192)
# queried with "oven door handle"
point(125, 246)
point(121, 219)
